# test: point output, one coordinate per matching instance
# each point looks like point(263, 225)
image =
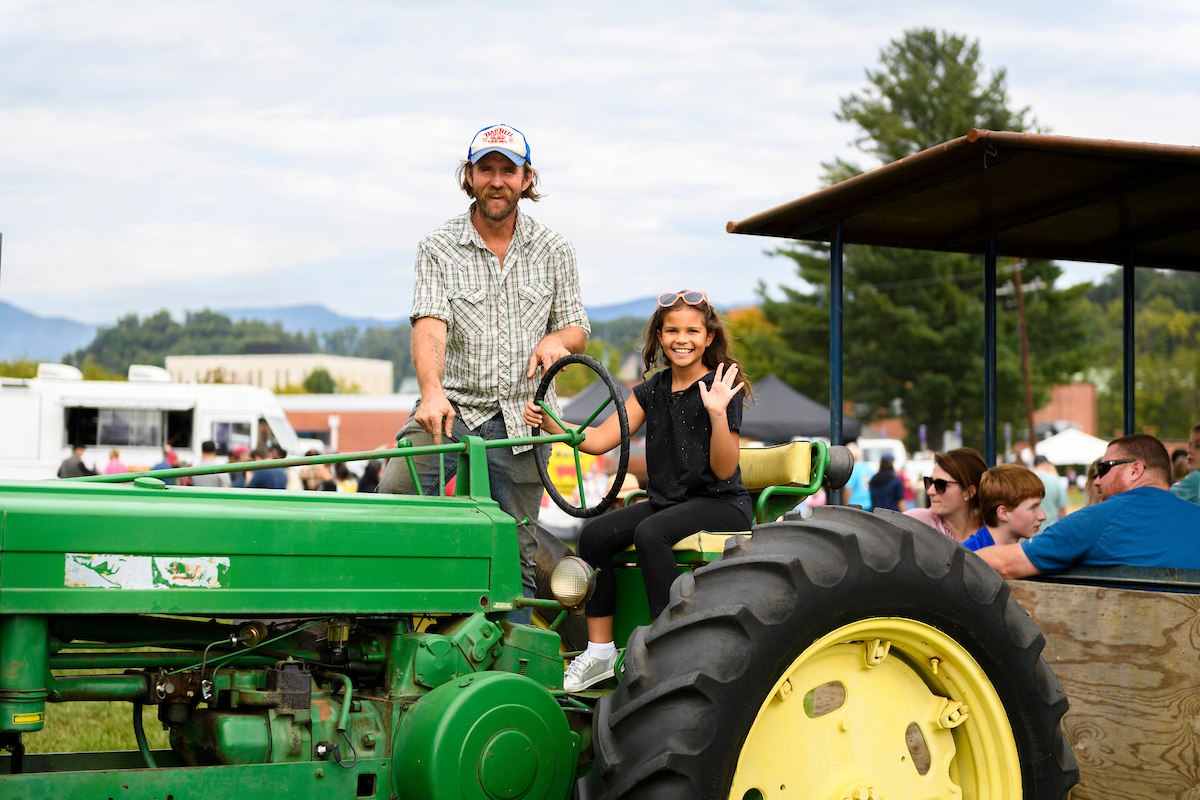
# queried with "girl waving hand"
point(692, 412)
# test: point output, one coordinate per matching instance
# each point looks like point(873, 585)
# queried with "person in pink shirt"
point(114, 465)
point(953, 488)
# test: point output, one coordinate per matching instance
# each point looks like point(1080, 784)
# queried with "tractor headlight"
point(572, 581)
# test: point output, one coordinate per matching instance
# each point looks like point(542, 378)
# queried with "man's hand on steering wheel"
point(436, 415)
point(549, 350)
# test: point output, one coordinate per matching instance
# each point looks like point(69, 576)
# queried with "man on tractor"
point(497, 298)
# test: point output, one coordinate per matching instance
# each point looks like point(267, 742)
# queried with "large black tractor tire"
point(733, 691)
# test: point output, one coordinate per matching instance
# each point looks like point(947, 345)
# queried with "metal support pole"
point(835, 345)
point(835, 337)
point(1127, 330)
point(989, 352)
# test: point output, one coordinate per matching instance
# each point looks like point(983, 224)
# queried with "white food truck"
point(42, 418)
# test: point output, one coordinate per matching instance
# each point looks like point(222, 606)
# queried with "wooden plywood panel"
point(1130, 664)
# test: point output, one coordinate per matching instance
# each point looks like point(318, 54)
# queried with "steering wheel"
point(543, 459)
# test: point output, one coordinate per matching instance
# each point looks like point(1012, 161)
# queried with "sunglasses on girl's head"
point(1102, 467)
point(939, 484)
point(692, 298)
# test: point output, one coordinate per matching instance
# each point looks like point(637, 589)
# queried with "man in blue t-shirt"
point(1139, 522)
point(271, 477)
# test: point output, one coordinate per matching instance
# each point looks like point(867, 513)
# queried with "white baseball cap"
point(503, 139)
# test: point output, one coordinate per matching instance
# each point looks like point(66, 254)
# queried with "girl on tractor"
point(692, 411)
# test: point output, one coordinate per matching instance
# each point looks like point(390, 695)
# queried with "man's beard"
point(483, 193)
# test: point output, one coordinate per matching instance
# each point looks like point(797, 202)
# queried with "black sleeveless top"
point(677, 445)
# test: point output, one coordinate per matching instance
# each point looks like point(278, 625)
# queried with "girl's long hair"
point(716, 353)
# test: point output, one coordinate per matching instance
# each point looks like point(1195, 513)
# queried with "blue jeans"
point(515, 483)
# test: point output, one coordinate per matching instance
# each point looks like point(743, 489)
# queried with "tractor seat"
point(780, 465)
point(699, 548)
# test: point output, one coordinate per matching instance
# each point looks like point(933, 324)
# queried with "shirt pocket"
point(535, 307)
point(469, 310)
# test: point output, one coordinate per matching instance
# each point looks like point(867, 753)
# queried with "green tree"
point(18, 368)
point(930, 89)
point(26, 368)
point(913, 324)
point(92, 371)
point(622, 334)
point(755, 342)
point(341, 342)
point(319, 381)
point(573, 379)
point(1166, 354)
point(133, 340)
point(389, 344)
point(150, 340)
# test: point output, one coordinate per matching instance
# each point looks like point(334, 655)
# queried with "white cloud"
point(74, 260)
point(254, 141)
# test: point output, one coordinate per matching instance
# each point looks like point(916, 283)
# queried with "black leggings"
point(652, 533)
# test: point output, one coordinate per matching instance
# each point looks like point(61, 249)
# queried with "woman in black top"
point(887, 490)
point(692, 412)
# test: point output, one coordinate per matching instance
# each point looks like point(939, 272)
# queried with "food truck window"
point(229, 435)
point(179, 427)
point(127, 427)
point(81, 426)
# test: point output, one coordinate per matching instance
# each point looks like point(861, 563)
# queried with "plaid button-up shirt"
point(496, 317)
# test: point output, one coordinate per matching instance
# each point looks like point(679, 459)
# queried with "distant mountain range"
point(302, 319)
point(26, 335)
point(322, 320)
point(633, 308)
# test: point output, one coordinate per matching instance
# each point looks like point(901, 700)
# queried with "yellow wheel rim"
point(892, 672)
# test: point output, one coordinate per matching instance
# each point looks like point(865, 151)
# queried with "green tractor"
point(357, 646)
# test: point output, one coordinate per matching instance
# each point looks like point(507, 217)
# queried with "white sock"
point(601, 650)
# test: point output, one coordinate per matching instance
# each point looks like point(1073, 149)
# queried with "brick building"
point(348, 423)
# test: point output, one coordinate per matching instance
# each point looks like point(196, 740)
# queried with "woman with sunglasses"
point(953, 490)
point(692, 412)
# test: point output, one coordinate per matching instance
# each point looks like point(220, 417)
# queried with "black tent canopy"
point(581, 406)
point(781, 414)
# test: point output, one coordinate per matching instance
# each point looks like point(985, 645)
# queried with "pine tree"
point(913, 323)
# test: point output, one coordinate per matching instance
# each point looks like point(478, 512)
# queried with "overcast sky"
point(189, 155)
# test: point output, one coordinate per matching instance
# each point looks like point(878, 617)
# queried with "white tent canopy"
point(1071, 446)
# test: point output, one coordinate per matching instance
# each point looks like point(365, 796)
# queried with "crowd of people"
point(317, 477)
point(1139, 510)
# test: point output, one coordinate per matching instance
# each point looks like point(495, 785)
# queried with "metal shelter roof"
point(1040, 196)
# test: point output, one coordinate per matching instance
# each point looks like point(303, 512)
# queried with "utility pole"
point(1017, 263)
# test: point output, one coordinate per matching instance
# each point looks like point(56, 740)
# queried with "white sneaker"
point(587, 670)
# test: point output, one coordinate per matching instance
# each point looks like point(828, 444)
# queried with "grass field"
point(84, 727)
point(93, 726)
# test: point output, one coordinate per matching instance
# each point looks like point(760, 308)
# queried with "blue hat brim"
point(519, 160)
